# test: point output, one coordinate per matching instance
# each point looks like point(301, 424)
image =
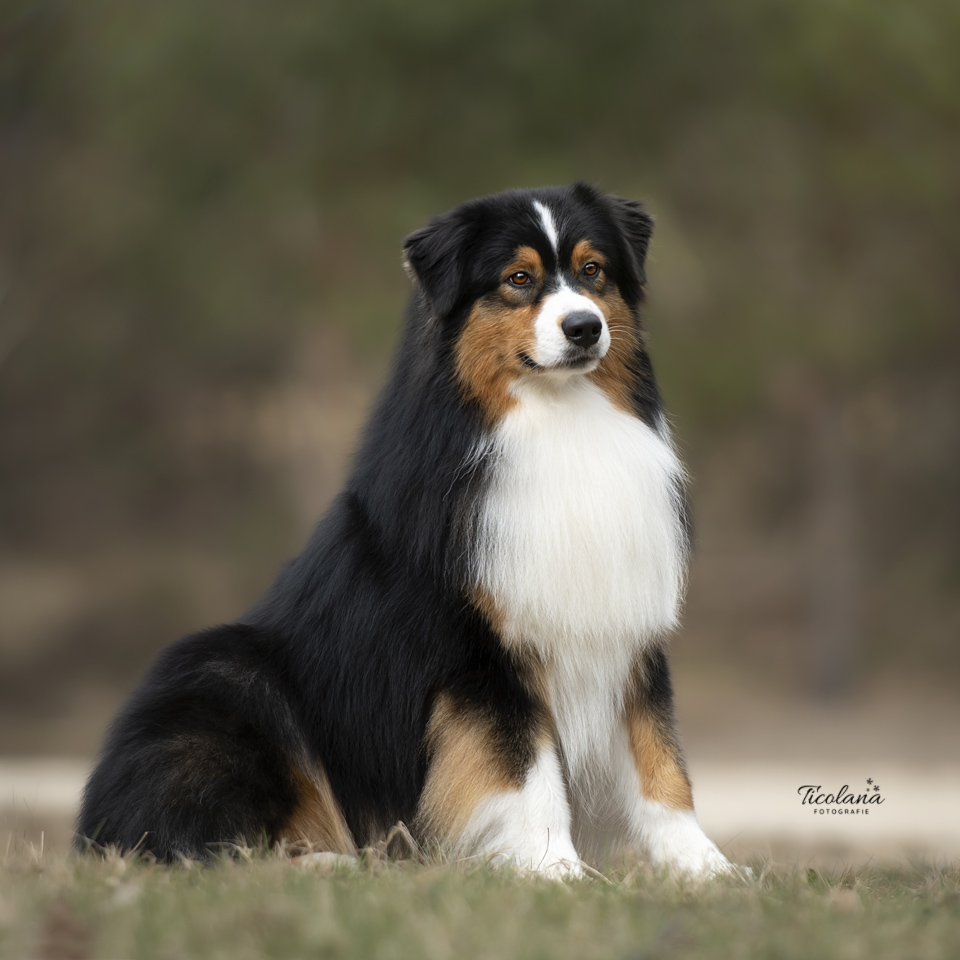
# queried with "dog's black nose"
point(582, 328)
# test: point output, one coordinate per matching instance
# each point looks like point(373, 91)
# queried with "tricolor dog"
point(473, 641)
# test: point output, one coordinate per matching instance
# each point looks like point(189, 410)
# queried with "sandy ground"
point(750, 809)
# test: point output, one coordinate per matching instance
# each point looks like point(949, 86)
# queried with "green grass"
point(58, 906)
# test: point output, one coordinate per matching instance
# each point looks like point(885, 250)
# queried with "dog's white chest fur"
point(581, 547)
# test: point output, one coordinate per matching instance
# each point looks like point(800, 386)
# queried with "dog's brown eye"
point(591, 269)
point(519, 278)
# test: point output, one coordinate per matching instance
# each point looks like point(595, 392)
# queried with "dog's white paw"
point(674, 841)
point(553, 867)
point(701, 863)
point(562, 870)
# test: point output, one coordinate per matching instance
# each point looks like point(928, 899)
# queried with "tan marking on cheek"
point(662, 777)
point(615, 375)
point(486, 357)
point(317, 821)
point(464, 769)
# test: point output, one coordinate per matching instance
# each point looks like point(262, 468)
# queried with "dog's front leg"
point(659, 807)
point(493, 795)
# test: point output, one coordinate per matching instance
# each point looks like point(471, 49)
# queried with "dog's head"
point(535, 284)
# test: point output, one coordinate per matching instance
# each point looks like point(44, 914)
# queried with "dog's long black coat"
point(340, 662)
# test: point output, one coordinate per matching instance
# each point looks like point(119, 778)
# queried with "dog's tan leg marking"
point(660, 768)
point(660, 815)
point(465, 766)
point(317, 821)
point(494, 795)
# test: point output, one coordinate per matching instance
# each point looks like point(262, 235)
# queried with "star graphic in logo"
point(869, 779)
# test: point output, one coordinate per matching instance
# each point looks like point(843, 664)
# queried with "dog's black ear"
point(637, 227)
point(433, 259)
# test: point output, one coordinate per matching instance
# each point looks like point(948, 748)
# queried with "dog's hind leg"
point(655, 789)
point(207, 753)
point(316, 821)
point(496, 792)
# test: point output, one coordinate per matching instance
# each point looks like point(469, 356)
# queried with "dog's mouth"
point(581, 360)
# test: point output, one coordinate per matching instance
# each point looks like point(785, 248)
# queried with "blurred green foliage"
point(187, 190)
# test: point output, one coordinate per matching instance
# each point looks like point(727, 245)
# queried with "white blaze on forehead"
point(549, 227)
point(552, 347)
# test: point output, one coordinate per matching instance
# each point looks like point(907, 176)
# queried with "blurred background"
point(201, 214)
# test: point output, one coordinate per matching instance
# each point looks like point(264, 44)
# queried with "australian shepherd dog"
point(473, 641)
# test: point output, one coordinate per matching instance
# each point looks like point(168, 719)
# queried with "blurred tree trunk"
point(834, 643)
